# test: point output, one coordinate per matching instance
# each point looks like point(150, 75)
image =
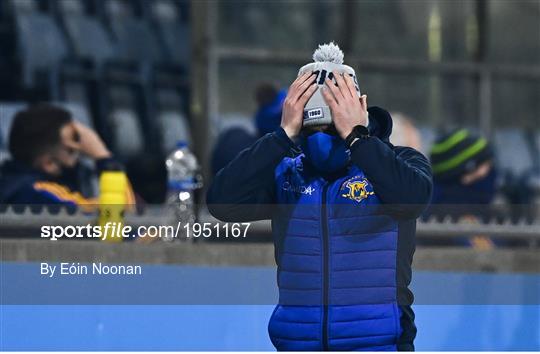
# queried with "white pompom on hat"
point(326, 58)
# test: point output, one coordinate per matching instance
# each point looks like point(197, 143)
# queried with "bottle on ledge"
point(184, 178)
point(113, 186)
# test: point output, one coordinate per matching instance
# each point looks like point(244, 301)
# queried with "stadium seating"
point(173, 123)
point(87, 35)
point(40, 55)
point(125, 62)
point(94, 47)
point(133, 36)
point(172, 30)
point(137, 42)
point(124, 124)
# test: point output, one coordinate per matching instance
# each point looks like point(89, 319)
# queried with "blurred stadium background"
point(145, 74)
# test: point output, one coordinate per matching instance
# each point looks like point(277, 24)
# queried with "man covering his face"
point(45, 144)
point(343, 203)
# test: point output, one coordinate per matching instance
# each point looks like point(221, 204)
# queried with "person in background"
point(45, 144)
point(404, 133)
point(464, 178)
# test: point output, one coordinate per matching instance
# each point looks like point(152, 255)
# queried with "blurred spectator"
point(464, 177)
point(404, 133)
point(269, 102)
point(45, 145)
point(267, 119)
point(463, 169)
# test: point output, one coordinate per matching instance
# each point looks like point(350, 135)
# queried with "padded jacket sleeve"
point(244, 189)
point(400, 176)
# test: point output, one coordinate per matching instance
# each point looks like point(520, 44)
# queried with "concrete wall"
point(247, 254)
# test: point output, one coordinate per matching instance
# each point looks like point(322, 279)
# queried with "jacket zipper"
point(324, 220)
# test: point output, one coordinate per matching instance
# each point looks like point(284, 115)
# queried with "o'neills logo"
point(306, 190)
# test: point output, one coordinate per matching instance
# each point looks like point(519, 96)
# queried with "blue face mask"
point(327, 153)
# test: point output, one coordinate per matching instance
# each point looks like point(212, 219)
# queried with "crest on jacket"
point(356, 190)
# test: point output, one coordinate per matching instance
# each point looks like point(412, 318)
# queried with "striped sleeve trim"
point(63, 194)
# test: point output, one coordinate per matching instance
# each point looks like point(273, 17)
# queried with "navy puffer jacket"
point(344, 242)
